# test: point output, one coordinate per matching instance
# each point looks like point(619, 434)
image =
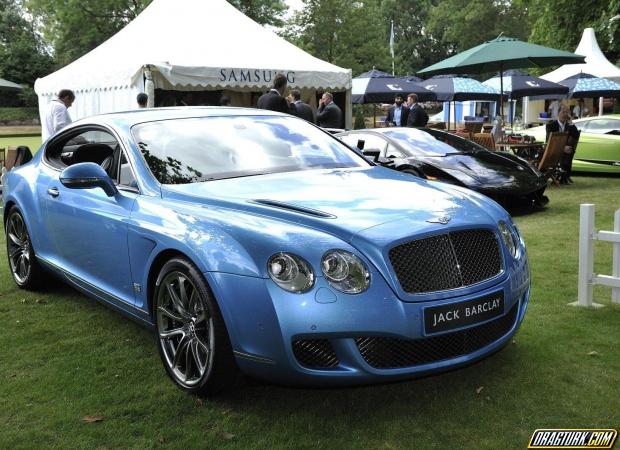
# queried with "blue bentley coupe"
point(255, 243)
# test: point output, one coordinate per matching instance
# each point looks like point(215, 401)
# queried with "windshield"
point(419, 142)
point(181, 151)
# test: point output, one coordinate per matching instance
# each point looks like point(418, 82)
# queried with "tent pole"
point(600, 106)
point(374, 115)
point(501, 90)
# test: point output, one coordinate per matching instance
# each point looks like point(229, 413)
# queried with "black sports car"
point(438, 155)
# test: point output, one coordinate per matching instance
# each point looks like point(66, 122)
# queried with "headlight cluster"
point(510, 238)
point(343, 271)
point(291, 272)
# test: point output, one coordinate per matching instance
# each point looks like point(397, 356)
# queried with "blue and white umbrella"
point(457, 89)
point(518, 84)
point(585, 85)
point(380, 87)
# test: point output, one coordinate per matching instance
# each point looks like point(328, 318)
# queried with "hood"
point(490, 170)
point(342, 202)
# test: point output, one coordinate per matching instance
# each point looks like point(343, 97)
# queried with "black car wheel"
point(191, 335)
point(25, 269)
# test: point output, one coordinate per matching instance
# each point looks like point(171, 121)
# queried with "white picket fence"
point(587, 278)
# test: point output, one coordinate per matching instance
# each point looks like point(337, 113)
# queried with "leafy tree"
point(23, 57)
point(414, 46)
point(560, 24)
point(266, 12)
point(74, 27)
point(342, 32)
point(457, 27)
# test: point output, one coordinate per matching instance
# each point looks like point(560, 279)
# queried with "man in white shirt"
point(554, 108)
point(57, 116)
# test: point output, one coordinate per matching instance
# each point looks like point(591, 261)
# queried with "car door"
point(88, 229)
point(594, 145)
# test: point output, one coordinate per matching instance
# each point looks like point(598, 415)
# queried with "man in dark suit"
point(417, 115)
point(274, 99)
point(398, 113)
point(564, 125)
point(303, 110)
point(330, 115)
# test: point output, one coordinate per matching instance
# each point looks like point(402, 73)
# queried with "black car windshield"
point(419, 142)
point(181, 151)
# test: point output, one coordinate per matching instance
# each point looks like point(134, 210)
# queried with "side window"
point(372, 142)
point(351, 139)
point(125, 174)
point(393, 152)
point(96, 146)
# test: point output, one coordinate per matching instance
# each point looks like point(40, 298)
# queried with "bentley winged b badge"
point(442, 220)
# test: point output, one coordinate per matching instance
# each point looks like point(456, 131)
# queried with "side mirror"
point(373, 153)
point(88, 175)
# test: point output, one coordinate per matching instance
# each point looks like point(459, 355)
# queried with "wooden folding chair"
point(485, 139)
point(463, 134)
point(553, 154)
point(437, 125)
point(9, 157)
point(473, 127)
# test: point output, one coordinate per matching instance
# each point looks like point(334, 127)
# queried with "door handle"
point(53, 192)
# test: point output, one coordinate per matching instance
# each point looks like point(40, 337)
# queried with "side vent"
point(295, 208)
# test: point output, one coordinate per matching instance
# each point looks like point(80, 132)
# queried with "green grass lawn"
point(33, 142)
point(64, 356)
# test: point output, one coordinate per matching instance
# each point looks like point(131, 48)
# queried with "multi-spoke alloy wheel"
point(191, 335)
point(25, 270)
point(185, 329)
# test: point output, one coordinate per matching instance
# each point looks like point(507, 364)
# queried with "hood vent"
point(295, 208)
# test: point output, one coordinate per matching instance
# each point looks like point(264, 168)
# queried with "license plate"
point(456, 315)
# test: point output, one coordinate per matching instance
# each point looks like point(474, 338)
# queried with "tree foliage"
point(74, 27)
point(23, 57)
point(342, 32)
point(266, 12)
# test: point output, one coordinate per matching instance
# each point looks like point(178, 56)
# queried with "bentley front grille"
point(446, 261)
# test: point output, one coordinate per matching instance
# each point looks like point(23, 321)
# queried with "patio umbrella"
point(501, 54)
point(380, 87)
point(517, 84)
point(9, 85)
point(585, 85)
point(452, 88)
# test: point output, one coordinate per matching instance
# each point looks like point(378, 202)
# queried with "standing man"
point(274, 99)
point(330, 115)
point(142, 100)
point(57, 117)
point(303, 110)
point(564, 125)
point(417, 115)
point(398, 113)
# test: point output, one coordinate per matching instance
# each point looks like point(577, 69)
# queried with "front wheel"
point(191, 335)
point(25, 269)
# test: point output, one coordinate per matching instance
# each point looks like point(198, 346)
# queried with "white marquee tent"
point(189, 45)
point(595, 64)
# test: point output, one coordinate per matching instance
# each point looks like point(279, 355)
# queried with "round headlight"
point(345, 272)
point(291, 272)
point(510, 240)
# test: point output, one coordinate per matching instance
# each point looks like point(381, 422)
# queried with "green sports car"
point(599, 144)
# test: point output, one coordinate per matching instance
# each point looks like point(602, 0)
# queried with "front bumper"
point(269, 328)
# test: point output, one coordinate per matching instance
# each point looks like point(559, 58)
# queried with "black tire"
point(23, 265)
point(191, 335)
